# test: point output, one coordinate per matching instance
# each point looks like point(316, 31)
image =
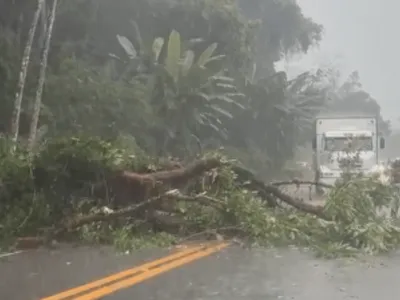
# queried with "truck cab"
point(339, 139)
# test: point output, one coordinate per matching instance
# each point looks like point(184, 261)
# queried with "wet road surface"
point(36, 274)
point(232, 273)
point(242, 274)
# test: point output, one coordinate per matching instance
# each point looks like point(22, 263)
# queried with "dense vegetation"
point(131, 85)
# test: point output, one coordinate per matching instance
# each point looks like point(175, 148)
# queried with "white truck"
point(336, 138)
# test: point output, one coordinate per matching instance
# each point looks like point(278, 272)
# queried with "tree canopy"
point(178, 76)
point(173, 74)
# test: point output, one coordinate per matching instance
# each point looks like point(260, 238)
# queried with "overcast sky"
point(359, 35)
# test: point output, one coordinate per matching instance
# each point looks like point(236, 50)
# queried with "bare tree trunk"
point(42, 78)
point(22, 75)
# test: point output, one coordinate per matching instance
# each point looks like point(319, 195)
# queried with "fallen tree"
point(88, 190)
point(141, 186)
point(148, 184)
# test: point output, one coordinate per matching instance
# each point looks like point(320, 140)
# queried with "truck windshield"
point(360, 143)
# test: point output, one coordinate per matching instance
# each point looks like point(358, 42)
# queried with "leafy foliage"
point(188, 94)
point(169, 73)
point(282, 30)
point(361, 213)
point(133, 83)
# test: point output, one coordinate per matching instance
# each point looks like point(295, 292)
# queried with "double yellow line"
point(127, 278)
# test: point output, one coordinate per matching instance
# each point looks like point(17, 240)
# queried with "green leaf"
point(222, 111)
point(222, 78)
point(127, 45)
point(214, 127)
point(227, 99)
point(224, 98)
point(187, 62)
point(239, 95)
point(226, 86)
point(204, 96)
point(156, 48)
point(138, 36)
point(214, 58)
point(198, 118)
point(173, 55)
point(206, 55)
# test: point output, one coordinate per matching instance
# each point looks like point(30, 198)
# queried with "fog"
point(358, 35)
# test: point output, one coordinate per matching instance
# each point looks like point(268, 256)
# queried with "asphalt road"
point(40, 273)
point(231, 273)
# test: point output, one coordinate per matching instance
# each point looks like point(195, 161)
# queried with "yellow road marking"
point(123, 274)
point(104, 291)
point(137, 274)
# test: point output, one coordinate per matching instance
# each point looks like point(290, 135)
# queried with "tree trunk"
point(42, 78)
point(22, 75)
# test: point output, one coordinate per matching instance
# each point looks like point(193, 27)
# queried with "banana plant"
point(145, 57)
point(196, 98)
point(190, 97)
point(140, 59)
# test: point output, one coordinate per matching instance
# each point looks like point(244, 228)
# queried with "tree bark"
point(22, 75)
point(42, 78)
